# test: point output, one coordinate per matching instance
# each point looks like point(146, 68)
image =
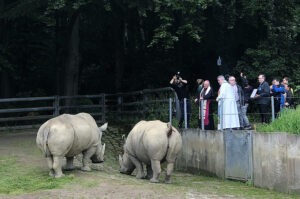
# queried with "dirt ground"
point(105, 181)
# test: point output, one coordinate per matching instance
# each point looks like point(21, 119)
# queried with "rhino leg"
point(70, 166)
point(139, 167)
point(85, 158)
point(170, 168)
point(155, 164)
point(57, 166)
point(50, 165)
point(149, 172)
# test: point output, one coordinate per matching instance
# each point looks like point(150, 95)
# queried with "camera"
point(177, 75)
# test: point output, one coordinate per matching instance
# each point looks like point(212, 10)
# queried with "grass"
point(288, 121)
point(17, 179)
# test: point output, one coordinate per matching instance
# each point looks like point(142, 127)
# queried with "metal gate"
point(238, 155)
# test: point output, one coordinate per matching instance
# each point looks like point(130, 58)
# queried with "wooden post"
point(103, 107)
point(120, 101)
point(56, 106)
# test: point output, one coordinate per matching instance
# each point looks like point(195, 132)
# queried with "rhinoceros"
point(67, 136)
point(150, 142)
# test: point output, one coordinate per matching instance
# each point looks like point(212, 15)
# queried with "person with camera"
point(179, 85)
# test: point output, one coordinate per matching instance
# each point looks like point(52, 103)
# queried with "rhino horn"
point(103, 150)
point(103, 127)
point(120, 160)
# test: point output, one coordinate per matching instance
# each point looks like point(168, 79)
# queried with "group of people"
point(233, 100)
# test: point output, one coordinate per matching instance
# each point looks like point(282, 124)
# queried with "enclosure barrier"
point(268, 160)
point(32, 111)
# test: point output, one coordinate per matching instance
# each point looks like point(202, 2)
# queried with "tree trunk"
point(72, 62)
point(5, 87)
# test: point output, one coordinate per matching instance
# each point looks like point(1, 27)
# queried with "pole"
point(185, 114)
point(273, 110)
point(202, 116)
point(221, 114)
point(170, 110)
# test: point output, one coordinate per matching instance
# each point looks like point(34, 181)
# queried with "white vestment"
point(227, 109)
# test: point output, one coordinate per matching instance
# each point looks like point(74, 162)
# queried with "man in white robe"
point(227, 109)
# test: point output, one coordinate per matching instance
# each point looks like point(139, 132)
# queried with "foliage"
point(130, 45)
point(288, 121)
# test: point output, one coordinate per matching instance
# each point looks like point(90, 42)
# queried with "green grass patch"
point(17, 179)
point(288, 121)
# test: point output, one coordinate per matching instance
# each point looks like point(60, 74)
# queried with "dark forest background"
point(63, 47)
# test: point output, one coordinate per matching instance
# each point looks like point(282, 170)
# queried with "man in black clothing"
point(263, 98)
point(247, 93)
point(179, 86)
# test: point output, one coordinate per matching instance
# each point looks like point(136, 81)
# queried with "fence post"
point(103, 107)
point(202, 116)
point(273, 110)
point(144, 104)
point(120, 99)
point(221, 114)
point(56, 106)
point(185, 114)
point(170, 110)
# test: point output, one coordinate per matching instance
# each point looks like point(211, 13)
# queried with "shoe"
point(248, 127)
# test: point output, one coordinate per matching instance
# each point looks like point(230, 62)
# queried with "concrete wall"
point(277, 161)
point(202, 151)
point(276, 157)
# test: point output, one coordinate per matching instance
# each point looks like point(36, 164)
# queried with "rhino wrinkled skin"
point(67, 136)
point(150, 142)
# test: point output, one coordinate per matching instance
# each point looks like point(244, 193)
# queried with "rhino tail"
point(45, 142)
point(170, 129)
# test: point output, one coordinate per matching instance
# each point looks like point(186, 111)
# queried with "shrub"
point(288, 121)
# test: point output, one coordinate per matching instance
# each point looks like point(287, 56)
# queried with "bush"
point(288, 121)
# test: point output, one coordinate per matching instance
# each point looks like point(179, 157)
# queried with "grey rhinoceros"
point(150, 142)
point(67, 136)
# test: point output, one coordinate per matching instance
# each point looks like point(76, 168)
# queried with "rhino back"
point(148, 140)
point(60, 136)
point(85, 134)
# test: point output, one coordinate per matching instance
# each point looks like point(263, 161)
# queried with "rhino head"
point(126, 166)
point(98, 157)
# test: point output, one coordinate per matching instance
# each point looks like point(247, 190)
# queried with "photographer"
point(179, 85)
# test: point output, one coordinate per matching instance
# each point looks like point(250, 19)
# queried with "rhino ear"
point(120, 160)
point(124, 138)
point(103, 127)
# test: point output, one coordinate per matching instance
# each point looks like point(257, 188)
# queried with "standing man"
point(247, 93)
point(239, 98)
point(227, 109)
point(179, 86)
point(263, 98)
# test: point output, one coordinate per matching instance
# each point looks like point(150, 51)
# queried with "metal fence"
point(130, 106)
point(253, 114)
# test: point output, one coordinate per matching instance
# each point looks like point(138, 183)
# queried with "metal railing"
point(271, 114)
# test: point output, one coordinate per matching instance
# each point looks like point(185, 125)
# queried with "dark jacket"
point(181, 90)
point(247, 90)
point(241, 95)
point(264, 93)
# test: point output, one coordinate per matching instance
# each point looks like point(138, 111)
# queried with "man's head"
point(286, 80)
point(261, 78)
point(206, 84)
point(287, 87)
point(232, 81)
point(275, 81)
point(221, 79)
